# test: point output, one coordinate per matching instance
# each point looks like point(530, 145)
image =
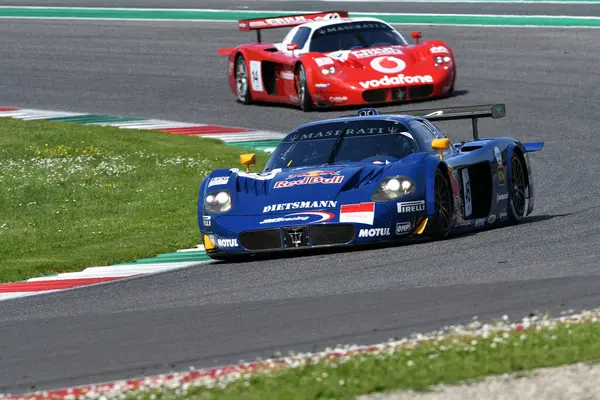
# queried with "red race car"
point(328, 59)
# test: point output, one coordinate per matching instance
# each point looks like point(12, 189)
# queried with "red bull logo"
point(313, 173)
point(309, 180)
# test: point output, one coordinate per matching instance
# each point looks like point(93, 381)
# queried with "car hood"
point(363, 58)
point(323, 187)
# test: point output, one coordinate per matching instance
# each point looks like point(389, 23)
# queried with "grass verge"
point(75, 196)
point(462, 354)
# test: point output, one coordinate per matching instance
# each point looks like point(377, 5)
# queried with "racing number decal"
point(467, 190)
point(257, 83)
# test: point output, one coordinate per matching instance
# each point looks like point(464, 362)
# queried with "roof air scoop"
point(363, 112)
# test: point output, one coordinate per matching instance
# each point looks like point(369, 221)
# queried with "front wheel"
point(241, 80)
point(306, 103)
point(518, 190)
point(440, 222)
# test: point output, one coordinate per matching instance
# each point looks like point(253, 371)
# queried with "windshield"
point(354, 35)
point(366, 140)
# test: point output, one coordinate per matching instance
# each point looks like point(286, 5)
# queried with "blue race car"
point(368, 178)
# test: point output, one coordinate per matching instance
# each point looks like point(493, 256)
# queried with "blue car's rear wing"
point(473, 113)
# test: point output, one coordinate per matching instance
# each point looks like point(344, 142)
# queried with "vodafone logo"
point(388, 65)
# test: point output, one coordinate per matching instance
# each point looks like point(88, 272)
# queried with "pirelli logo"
point(411, 206)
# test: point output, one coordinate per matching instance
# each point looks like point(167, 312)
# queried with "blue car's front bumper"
point(235, 234)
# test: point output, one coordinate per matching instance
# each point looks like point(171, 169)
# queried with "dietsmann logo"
point(400, 79)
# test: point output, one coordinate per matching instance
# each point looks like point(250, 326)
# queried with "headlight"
point(218, 202)
point(394, 187)
point(327, 71)
point(442, 60)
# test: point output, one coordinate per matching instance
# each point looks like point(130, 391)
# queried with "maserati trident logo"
point(295, 236)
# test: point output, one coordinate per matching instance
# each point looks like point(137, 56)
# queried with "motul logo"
point(308, 181)
point(374, 232)
point(396, 80)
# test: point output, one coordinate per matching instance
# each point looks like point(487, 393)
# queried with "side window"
point(424, 135)
point(301, 36)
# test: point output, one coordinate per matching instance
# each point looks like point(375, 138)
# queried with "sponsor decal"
point(227, 243)
point(438, 50)
point(316, 172)
point(300, 204)
point(207, 220)
point(492, 219)
point(218, 180)
point(328, 134)
point(322, 85)
point(467, 190)
point(256, 75)
point(503, 215)
point(479, 222)
point(403, 227)
point(411, 206)
point(317, 216)
point(388, 65)
point(501, 197)
point(383, 51)
point(498, 155)
point(374, 232)
point(322, 61)
point(396, 80)
point(338, 99)
point(501, 176)
point(309, 178)
point(351, 27)
point(287, 75)
point(363, 213)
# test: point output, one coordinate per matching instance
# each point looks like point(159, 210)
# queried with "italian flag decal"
point(363, 213)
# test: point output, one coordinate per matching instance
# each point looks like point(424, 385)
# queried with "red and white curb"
point(95, 275)
point(228, 134)
point(454, 335)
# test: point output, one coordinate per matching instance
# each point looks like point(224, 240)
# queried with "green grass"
point(449, 360)
point(75, 196)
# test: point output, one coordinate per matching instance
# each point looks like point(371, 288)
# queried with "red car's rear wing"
point(285, 21)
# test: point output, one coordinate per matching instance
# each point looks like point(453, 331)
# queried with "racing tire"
point(518, 188)
point(440, 222)
point(306, 103)
point(241, 80)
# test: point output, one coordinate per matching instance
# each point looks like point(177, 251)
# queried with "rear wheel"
point(440, 223)
point(302, 89)
point(518, 188)
point(241, 80)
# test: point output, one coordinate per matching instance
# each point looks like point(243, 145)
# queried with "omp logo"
point(227, 243)
point(402, 227)
point(373, 232)
point(396, 80)
point(388, 65)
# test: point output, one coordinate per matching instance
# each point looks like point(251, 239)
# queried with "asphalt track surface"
point(386, 7)
point(216, 314)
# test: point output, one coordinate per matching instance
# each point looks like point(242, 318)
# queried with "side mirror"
point(416, 35)
point(292, 46)
point(248, 160)
point(440, 145)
